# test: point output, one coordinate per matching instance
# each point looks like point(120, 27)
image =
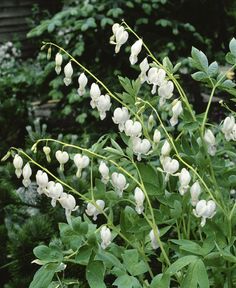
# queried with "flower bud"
point(151, 122)
point(133, 128)
point(157, 137)
point(177, 109)
point(82, 80)
point(58, 62)
point(120, 116)
point(195, 191)
point(18, 164)
point(184, 179)
point(68, 70)
point(210, 141)
point(26, 172)
point(105, 237)
point(144, 66)
point(139, 199)
point(166, 148)
point(153, 238)
point(118, 181)
point(104, 170)
point(95, 93)
point(47, 151)
point(103, 105)
point(135, 50)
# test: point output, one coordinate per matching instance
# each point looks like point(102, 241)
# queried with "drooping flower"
point(104, 170)
point(205, 210)
point(103, 105)
point(166, 148)
point(135, 50)
point(170, 166)
point(82, 80)
point(139, 198)
point(58, 62)
point(144, 66)
point(177, 109)
point(184, 180)
point(120, 116)
point(68, 70)
point(95, 93)
point(47, 151)
point(42, 181)
point(156, 77)
point(195, 192)
point(93, 211)
point(54, 191)
point(62, 157)
point(154, 242)
point(68, 202)
point(133, 128)
point(210, 141)
point(26, 172)
point(120, 36)
point(165, 91)
point(140, 146)
point(118, 181)
point(18, 164)
point(105, 237)
point(228, 128)
point(81, 162)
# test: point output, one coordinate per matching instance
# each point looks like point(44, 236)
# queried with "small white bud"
point(105, 237)
point(195, 192)
point(68, 70)
point(139, 199)
point(82, 80)
point(210, 141)
point(156, 136)
point(177, 109)
point(47, 151)
point(153, 238)
point(144, 66)
point(104, 170)
point(166, 148)
point(184, 179)
point(135, 50)
point(18, 164)
point(95, 93)
point(26, 172)
point(58, 62)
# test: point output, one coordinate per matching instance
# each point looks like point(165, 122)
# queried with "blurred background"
point(34, 102)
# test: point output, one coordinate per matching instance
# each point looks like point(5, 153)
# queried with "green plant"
point(161, 193)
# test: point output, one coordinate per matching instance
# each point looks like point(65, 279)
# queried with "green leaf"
point(109, 260)
point(83, 255)
point(188, 245)
point(43, 277)
point(230, 58)
point(228, 84)
point(199, 59)
point(48, 254)
point(181, 263)
point(161, 281)
point(213, 69)
point(126, 281)
point(95, 274)
point(232, 46)
point(199, 76)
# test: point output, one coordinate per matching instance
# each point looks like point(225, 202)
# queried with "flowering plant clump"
point(157, 207)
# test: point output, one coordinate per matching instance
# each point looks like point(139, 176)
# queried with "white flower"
point(18, 164)
point(195, 191)
point(135, 50)
point(166, 148)
point(156, 77)
point(144, 66)
point(82, 80)
point(140, 147)
point(228, 128)
point(26, 172)
point(139, 199)
point(93, 211)
point(118, 181)
point(95, 93)
point(42, 181)
point(120, 116)
point(47, 151)
point(184, 179)
point(210, 141)
point(58, 62)
point(170, 166)
point(156, 136)
point(205, 209)
point(81, 162)
point(133, 128)
point(177, 109)
point(54, 191)
point(165, 91)
point(120, 36)
point(103, 105)
point(105, 237)
point(104, 170)
point(68, 202)
point(68, 70)
point(153, 238)
point(62, 158)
